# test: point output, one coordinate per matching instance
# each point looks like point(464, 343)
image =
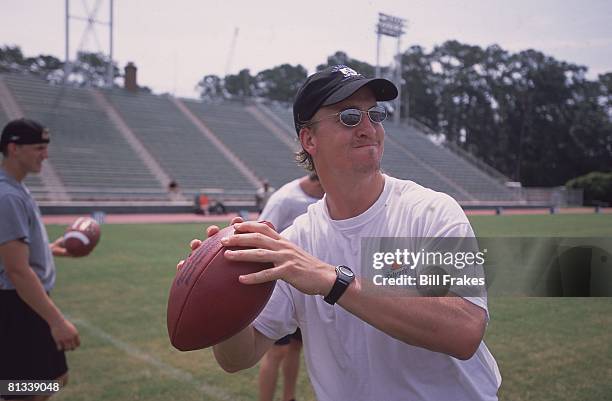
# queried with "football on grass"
point(207, 304)
point(82, 236)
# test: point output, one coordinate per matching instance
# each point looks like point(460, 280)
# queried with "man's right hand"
point(65, 335)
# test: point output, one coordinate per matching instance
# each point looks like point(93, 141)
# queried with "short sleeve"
point(14, 219)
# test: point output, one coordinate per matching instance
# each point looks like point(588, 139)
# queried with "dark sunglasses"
point(352, 117)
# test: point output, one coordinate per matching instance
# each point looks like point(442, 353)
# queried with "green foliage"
point(241, 85)
point(597, 187)
point(11, 59)
point(281, 83)
point(48, 67)
point(534, 118)
point(211, 87)
point(89, 69)
point(342, 58)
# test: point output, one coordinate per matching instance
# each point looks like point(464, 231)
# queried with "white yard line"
point(210, 391)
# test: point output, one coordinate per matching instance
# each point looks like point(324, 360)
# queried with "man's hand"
point(57, 247)
point(291, 263)
point(210, 231)
point(65, 335)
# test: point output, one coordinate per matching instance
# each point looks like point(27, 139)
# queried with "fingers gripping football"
point(291, 263)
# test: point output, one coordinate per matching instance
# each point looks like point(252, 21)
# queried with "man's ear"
point(11, 147)
point(308, 140)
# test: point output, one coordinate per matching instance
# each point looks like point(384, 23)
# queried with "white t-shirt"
point(350, 360)
point(286, 204)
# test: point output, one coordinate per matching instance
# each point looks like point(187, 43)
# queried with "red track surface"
point(194, 218)
point(148, 218)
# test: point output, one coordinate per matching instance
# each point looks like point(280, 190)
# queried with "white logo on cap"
point(346, 71)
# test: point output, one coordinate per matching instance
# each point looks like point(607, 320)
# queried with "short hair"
point(303, 158)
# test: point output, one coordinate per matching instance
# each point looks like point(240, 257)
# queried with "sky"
point(175, 43)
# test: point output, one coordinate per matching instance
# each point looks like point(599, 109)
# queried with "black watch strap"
point(344, 277)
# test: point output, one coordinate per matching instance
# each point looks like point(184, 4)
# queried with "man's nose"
point(366, 126)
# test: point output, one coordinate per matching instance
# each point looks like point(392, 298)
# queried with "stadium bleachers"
point(267, 156)
point(32, 181)
point(90, 156)
point(95, 161)
point(480, 186)
point(182, 151)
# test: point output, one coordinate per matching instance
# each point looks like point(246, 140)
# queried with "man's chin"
point(370, 167)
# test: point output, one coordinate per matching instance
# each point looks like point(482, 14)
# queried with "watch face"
point(346, 271)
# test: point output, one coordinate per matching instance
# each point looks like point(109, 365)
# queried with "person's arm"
point(15, 256)
point(450, 325)
point(242, 351)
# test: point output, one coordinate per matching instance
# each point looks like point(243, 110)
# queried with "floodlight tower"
point(389, 25)
point(92, 22)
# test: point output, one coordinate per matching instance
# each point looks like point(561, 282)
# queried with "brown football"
point(82, 236)
point(207, 304)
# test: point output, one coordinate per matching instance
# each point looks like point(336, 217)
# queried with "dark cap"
point(333, 85)
point(23, 131)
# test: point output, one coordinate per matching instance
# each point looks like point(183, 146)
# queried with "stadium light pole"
point(90, 28)
point(109, 71)
point(389, 25)
point(67, 68)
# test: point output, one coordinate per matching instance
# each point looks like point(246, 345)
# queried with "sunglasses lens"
point(350, 117)
point(377, 114)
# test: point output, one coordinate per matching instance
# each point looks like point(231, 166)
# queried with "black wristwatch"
point(344, 277)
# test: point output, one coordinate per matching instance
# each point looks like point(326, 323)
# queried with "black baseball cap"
point(333, 85)
point(23, 131)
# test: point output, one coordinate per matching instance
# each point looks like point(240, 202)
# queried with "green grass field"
point(547, 348)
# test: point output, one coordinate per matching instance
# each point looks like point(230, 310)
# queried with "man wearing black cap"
point(359, 344)
point(33, 332)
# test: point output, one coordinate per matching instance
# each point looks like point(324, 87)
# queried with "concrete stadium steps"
point(180, 149)
point(267, 156)
point(459, 171)
point(32, 180)
point(86, 149)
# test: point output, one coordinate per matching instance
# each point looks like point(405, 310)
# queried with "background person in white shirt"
point(287, 203)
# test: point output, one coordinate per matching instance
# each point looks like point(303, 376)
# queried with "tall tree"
point(11, 59)
point(281, 83)
point(241, 84)
point(341, 57)
point(90, 69)
point(211, 88)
